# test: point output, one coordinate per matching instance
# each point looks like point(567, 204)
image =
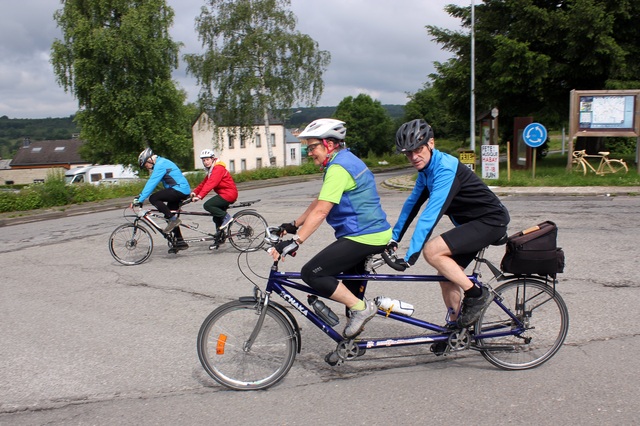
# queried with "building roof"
point(48, 153)
point(289, 137)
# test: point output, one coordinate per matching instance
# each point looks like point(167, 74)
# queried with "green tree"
point(531, 53)
point(255, 65)
point(116, 57)
point(369, 127)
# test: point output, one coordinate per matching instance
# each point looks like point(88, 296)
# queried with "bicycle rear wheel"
point(222, 346)
point(615, 166)
point(130, 244)
point(247, 231)
point(545, 318)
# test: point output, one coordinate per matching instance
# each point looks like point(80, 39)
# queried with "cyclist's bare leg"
point(343, 295)
point(437, 254)
point(452, 298)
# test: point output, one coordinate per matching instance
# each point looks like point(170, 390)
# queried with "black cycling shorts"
point(342, 256)
point(466, 240)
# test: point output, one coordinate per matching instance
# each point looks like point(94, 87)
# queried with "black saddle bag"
point(534, 251)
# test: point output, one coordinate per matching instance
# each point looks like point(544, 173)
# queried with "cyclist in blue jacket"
point(176, 189)
point(450, 188)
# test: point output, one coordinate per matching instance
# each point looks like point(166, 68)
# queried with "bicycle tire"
point(615, 166)
point(130, 244)
point(579, 167)
point(247, 231)
point(546, 320)
point(222, 353)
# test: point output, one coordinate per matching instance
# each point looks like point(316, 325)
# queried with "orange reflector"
point(222, 339)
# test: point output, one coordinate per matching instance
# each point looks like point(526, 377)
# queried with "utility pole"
point(472, 126)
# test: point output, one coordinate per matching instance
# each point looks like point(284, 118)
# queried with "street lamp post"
point(472, 125)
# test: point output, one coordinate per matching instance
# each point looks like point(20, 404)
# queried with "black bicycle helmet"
point(413, 134)
point(144, 156)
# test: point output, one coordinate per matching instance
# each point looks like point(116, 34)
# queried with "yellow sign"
point(468, 158)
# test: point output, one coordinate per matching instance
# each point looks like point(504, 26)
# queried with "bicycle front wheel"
point(247, 231)
point(579, 167)
point(223, 351)
point(546, 322)
point(130, 244)
point(615, 166)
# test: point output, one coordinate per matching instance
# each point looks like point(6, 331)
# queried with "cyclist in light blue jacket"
point(176, 189)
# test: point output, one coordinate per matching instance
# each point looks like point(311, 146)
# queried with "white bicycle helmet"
point(325, 128)
point(207, 153)
point(144, 156)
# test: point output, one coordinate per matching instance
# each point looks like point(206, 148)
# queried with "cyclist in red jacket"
point(219, 180)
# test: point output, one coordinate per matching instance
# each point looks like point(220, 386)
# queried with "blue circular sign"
point(534, 135)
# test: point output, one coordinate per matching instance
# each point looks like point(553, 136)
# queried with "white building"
point(239, 154)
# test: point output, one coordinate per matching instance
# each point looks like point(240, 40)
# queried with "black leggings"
point(342, 256)
point(172, 197)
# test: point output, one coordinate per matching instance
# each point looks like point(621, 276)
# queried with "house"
point(35, 160)
point(240, 154)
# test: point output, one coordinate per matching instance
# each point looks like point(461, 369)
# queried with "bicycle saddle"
point(501, 241)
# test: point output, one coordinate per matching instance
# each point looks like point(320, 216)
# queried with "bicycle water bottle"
point(394, 305)
point(323, 311)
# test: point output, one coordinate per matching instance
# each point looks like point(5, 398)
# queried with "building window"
point(59, 148)
point(36, 149)
point(242, 144)
point(230, 142)
point(273, 139)
point(243, 165)
point(258, 163)
point(293, 153)
point(232, 166)
point(258, 141)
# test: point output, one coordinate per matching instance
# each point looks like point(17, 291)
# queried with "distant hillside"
point(14, 131)
point(307, 115)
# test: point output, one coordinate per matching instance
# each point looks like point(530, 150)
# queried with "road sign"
point(534, 135)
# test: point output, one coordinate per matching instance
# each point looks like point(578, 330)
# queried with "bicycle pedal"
point(333, 359)
point(173, 251)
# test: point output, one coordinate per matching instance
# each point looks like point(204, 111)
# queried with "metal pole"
point(473, 82)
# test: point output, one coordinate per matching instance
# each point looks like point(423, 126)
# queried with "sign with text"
point(490, 161)
point(468, 158)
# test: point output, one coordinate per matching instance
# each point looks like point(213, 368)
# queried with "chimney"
point(26, 142)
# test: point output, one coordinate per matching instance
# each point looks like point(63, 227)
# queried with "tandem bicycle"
point(251, 343)
point(132, 243)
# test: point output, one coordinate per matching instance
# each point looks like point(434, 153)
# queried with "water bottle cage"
point(388, 310)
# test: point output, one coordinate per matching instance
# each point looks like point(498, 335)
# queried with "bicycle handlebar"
point(391, 263)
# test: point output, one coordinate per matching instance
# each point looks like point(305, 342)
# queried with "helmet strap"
point(329, 152)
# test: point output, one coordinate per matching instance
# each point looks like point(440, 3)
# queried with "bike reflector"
point(222, 339)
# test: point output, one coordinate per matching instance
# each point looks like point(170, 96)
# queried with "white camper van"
point(94, 174)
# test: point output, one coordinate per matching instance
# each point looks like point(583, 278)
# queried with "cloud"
point(378, 47)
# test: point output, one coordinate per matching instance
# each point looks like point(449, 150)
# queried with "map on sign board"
point(606, 112)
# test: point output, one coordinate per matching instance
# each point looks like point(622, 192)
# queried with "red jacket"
point(218, 179)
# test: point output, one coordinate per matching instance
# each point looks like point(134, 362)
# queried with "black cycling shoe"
point(181, 245)
point(472, 307)
point(439, 348)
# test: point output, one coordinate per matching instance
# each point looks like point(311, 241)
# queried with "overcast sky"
point(378, 47)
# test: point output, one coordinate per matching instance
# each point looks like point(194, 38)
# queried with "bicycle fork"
point(262, 306)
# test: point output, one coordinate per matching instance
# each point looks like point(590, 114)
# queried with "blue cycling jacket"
point(359, 211)
point(169, 174)
point(449, 188)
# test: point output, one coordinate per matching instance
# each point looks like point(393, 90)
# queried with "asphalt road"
point(85, 340)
